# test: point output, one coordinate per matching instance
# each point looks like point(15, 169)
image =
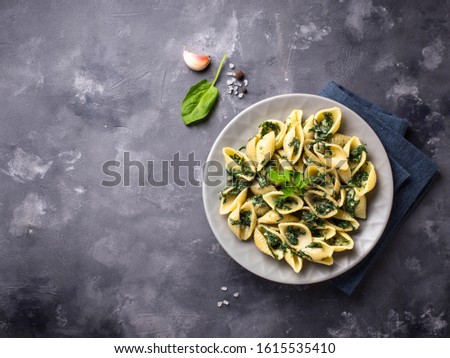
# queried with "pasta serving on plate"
point(299, 188)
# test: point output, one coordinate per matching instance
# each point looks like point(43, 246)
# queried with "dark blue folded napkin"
point(411, 177)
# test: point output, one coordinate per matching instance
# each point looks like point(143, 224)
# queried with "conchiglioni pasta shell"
point(231, 163)
point(250, 148)
point(280, 135)
point(326, 231)
point(309, 157)
point(345, 216)
point(265, 149)
point(272, 197)
point(318, 254)
point(303, 239)
point(294, 133)
point(295, 117)
point(261, 242)
point(232, 201)
point(307, 128)
point(369, 184)
point(361, 208)
point(336, 117)
point(328, 261)
point(294, 261)
point(352, 144)
point(338, 158)
point(340, 139)
point(310, 201)
point(274, 218)
point(282, 163)
point(343, 247)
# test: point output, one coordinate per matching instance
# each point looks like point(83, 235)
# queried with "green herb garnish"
point(200, 99)
point(355, 154)
point(295, 142)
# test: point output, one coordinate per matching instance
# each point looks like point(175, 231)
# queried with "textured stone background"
point(81, 82)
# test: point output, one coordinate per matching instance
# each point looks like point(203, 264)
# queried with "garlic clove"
point(196, 62)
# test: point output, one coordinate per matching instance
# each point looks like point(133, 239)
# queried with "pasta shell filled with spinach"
point(230, 199)
point(321, 204)
point(364, 179)
point(269, 241)
point(242, 221)
point(265, 148)
point(260, 205)
point(293, 143)
point(294, 118)
point(296, 235)
point(275, 126)
point(340, 242)
point(273, 217)
point(283, 204)
point(239, 164)
point(326, 122)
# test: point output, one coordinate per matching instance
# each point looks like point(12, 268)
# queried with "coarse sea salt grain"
point(238, 83)
point(235, 92)
point(224, 288)
point(225, 302)
point(219, 304)
point(240, 95)
point(245, 83)
point(236, 294)
point(231, 65)
point(230, 73)
point(230, 82)
point(230, 90)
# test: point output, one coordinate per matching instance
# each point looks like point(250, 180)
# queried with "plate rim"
point(236, 118)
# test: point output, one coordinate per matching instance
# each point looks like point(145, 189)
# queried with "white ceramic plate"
point(379, 200)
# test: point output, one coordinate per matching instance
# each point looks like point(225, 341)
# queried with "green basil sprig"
point(200, 99)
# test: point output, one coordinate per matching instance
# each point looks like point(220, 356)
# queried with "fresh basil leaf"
point(200, 99)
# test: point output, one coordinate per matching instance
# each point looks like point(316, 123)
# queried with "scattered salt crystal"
point(219, 304)
point(245, 82)
point(235, 92)
point(236, 87)
point(230, 73)
point(240, 95)
point(230, 82)
point(238, 83)
point(231, 65)
point(225, 302)
point(224, 288)
point(230, 90)
point(236, 294)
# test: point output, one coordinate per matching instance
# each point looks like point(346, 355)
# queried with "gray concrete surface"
point(82, 82)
